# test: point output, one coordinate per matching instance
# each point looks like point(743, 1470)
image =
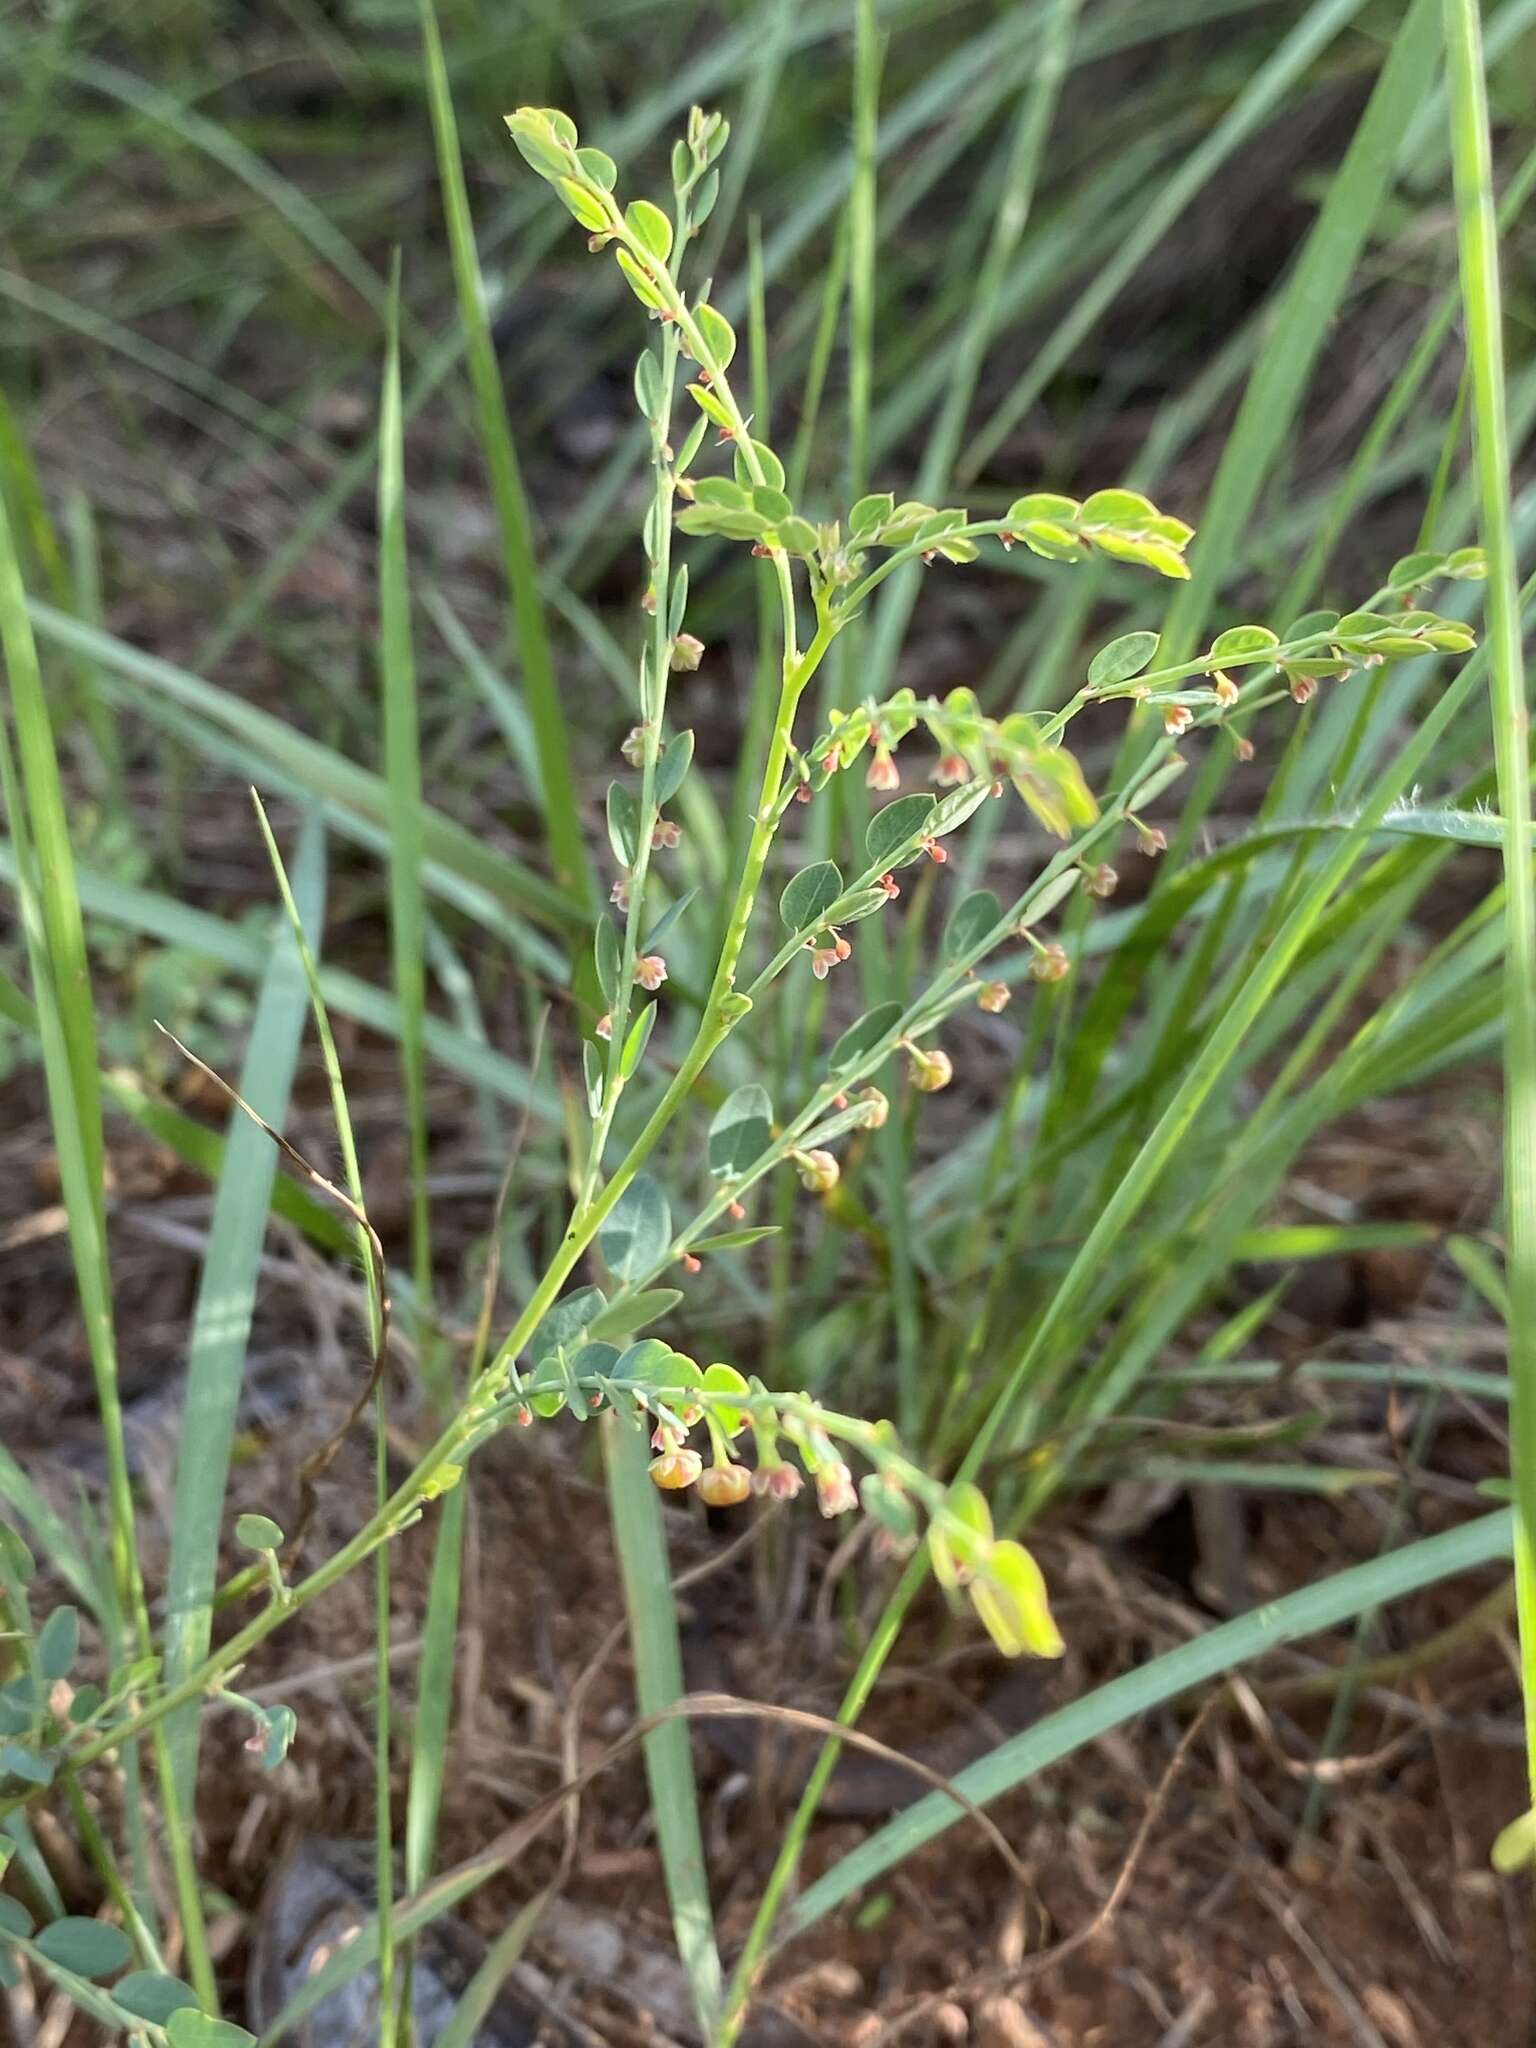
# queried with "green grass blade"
point(635, 1506)
point(323, 772)
point(502, 1957)
point(55, 939)
point(1477, 237)
point(226, 1297)
point(1308, 305)
point(402, 769)
point(562, 818)
point(1255, 105)
point(1235, 1643)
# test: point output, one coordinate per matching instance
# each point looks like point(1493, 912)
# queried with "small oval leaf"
point(810, 895)
point(639, 1228)
point(1121, 659)
point(974, 917)
point(740, 1132)
point(860, 1038)
point(91, 1948)
point(890, 830)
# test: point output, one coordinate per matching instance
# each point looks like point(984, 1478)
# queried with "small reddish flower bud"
point(1243, 745)
point(778, 1482)
point(692, 1264)
point(802, 792)
point(650, 971)
point(1177, 718)
point(1303, 688)
point(835, 1493)
point(619, 893)
point(674, 1470)
point(876, 1108)
point(994, 997)
point(1051, 964)
point(935, 852)
point(605, 1027)
point(525, 1417)
point(1101, 881)
point(890, 885)
point(818, 1171)
point(951, 771)
point(687, 653)
point(931, 1070)
point(1152, 839)
point(841, 947)
point(1226, 690)
point(725, 1486)
point(883, 772)
point(735, 1211)
point(839, 1100)
point(633, 748)
point(665, 834)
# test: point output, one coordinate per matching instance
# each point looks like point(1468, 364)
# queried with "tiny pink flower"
point(619, 893)
point(687, 653)
point(604, 1027)
point(951, 771)
point(835, 1493)
point(1303, 688)
point(1152, 839)
point(1177, 718)
point(778, 1482)
point(935, 852)
point(633, 748)
point(650, 970)
point(818, 1170)
point(883, 772)
point(890, 885)
point(995, 996)
point(876, 1108)
point(1101, 881)
point(665, 834)
point(1051, 963)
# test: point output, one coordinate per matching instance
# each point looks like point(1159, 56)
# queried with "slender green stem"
point(1477, 234)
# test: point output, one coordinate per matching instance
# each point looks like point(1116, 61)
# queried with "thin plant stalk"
point(1477, 238)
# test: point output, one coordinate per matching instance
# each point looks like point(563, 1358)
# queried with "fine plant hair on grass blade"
point(1477, 237)
point(562, 818)
point(226, 1297)
point(1336, 1599)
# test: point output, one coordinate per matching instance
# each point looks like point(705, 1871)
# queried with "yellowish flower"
point(1008, 1592)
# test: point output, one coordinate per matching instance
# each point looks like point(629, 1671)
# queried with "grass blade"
point(1234, 1643)
point(402, 768)
point(226, 1296)
point(562, 818)
point(635, 1507)
point(1477, 237)
point(1302, 324)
